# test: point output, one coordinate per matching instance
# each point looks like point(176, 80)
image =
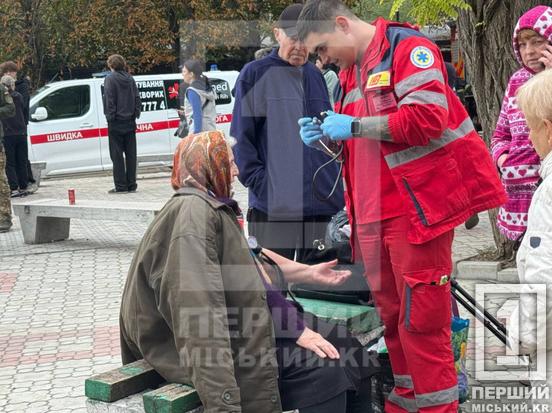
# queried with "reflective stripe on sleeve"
point(415, 152)
point(418, 79)
point(425, 97)
point(376, 128)
point(352, 96)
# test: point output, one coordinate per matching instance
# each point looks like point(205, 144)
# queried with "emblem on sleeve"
point(422, 57)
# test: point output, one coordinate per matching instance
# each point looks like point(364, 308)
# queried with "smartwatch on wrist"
point(254, 245)
point(355, 128)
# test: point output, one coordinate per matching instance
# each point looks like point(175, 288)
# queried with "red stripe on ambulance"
point(65, 136)
point(102, 132)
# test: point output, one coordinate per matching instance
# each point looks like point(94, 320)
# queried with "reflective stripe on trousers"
point(407, 404)
point(404, 381)
point(437, 398)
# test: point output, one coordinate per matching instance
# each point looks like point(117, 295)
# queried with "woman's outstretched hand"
point(318, 344)
point(324, 274)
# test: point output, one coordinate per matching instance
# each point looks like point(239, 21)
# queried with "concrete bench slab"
point(131, 404)
point(155, 158)
point(48, 220)
point(36, 168)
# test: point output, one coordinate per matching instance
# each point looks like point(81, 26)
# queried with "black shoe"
point(132, 188)
point(17, 193)
point(116, 191)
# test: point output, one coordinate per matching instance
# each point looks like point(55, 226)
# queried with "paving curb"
point(485, 271)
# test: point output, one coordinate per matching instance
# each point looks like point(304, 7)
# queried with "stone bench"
point(137, 388)
point(48, 220)
point(37, 167)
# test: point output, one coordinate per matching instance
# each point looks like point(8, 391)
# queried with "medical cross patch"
point(422, 57)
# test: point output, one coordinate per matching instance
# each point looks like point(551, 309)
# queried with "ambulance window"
point(222, 89)
point(174, 89)
point(152, 95)
point(69, 102)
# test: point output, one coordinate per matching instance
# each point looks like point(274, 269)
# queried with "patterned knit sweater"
point(520, 171)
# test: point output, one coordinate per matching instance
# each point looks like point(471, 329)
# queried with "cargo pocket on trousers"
point(427, 304)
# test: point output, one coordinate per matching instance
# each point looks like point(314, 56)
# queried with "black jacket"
point(121, 98)
point(16, 125)
point(22, 86)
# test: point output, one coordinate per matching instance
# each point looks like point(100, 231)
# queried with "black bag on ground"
point(336, 245)
point(381, 384)
point(183, 127)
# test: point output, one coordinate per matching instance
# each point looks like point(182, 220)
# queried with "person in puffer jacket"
point(534, 258)
point(512, 152)
point(199, 104)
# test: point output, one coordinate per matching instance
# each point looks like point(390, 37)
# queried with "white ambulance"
point(68, 129)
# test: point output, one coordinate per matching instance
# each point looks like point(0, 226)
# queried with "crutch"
point(488, 320)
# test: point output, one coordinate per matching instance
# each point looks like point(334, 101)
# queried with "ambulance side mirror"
point(40, 114)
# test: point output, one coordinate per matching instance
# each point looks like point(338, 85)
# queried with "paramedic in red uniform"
point(415, 168)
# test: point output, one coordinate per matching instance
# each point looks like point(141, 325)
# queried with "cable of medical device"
point(335, 158)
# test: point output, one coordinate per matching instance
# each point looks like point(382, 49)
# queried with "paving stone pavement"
point(59, 302)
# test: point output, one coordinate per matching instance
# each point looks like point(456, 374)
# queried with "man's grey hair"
point(318, 16)
point(8, 81)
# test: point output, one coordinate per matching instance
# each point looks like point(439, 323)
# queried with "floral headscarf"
point(201, 161)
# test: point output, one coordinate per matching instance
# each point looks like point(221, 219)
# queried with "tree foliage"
point(428, 11)
point(45, 36)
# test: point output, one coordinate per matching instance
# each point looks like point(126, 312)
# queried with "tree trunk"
point(33, 30)
point(485, 32)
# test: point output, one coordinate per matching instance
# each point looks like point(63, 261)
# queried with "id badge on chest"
point(383, 102)
point(379, 93)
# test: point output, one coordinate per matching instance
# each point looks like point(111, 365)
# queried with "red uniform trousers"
point(414, 303)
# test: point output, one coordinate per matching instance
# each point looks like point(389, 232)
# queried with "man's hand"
point(310, 131)
point(324, 274)
point(546, 58)
point(318, 344)
point(337, 127)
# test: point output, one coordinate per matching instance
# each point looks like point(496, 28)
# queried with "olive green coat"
point(7, 108)
point(195, 307)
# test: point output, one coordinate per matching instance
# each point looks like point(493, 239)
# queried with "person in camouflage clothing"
point(7, 110)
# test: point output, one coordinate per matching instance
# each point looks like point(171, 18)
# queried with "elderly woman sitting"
point(201, 310)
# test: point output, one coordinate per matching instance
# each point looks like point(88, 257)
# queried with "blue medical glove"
point(310, 131)
point(337, 127)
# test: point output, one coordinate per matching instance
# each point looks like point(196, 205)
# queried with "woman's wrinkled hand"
point(316, 343)
point(324, 274)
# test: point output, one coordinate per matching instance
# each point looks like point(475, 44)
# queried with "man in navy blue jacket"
point(271, 94)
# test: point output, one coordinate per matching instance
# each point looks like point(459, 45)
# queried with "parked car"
point(68, 129)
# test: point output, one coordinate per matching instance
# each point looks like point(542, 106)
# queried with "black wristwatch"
point(355, 128)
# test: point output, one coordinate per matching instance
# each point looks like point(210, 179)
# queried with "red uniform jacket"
point(440, 168)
